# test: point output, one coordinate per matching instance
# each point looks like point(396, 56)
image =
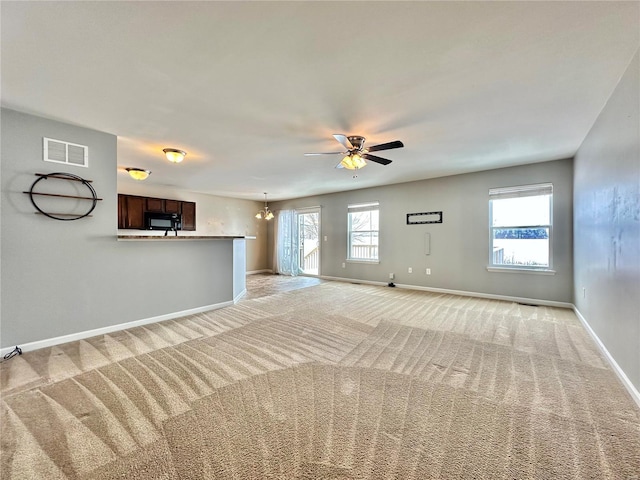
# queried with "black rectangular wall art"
point(424, 217)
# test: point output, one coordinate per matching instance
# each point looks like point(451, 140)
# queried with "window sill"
point(535, 271)
point(363, 261)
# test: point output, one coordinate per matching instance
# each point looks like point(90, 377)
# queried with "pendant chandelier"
point(265, 214)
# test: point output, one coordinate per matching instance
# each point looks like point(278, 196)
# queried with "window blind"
point(363, 207)
point(521, 191)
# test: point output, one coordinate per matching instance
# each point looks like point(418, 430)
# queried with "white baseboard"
point(462, 293)
point(49, 342)
point(239, 296)
point(253, 272)
point(491, 296)
point(633, 391)
point(352, 280)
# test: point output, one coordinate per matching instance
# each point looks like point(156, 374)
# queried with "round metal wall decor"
point(64, 176)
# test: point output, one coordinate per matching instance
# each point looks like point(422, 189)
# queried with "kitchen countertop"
point(183, 237)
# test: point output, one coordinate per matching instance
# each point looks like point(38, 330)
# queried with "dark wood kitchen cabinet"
point(122, 200)
point(131, 210)
point(172, 206)
point(155, 205)
point(188, 215)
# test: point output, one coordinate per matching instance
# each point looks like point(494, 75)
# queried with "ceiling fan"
point(356, 153)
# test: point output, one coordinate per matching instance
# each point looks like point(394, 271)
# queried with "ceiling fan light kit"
point(356, 155)
point(174, 155)
point(353, 162)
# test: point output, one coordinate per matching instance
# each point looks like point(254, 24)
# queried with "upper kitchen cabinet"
point(155, 204)
point(131, 209)
point(172, 206)
point(188, 215)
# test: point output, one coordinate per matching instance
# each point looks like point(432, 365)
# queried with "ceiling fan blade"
point(386, 146)
point(343, 140)
point(324, 153)
point(373, 158)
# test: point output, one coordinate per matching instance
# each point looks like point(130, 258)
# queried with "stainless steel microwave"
point(162, 221)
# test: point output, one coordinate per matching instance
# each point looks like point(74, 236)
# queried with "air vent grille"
point(58, 151)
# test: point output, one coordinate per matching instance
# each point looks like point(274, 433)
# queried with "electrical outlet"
point(325, 238)
point(410, 270)
point(344, 265)
point(391, 276)
point(428, 271)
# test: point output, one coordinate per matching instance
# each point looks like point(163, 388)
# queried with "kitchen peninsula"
point(235, 246)
point(178, 237)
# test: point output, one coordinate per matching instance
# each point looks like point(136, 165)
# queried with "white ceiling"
point(246, 88)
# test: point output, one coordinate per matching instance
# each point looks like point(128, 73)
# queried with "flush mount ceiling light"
point(174, 155)
point(266, 213)
point(138, 173)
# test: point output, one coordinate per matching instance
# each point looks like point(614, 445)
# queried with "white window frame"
point(515, 192)
point(362, 207)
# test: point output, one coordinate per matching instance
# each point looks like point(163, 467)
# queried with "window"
point(363, 225)
point(520, 220)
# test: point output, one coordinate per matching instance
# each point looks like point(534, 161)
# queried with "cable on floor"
point(13, 353)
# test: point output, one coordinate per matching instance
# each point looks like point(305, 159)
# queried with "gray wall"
point(59, 278)
point(460, 245)
point(607, 225)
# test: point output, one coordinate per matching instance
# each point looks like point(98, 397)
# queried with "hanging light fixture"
point(138, 173)
point(174, 155)
point(353, 161)
point(265, 214)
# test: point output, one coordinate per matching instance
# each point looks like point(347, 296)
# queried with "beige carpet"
point(310, 379)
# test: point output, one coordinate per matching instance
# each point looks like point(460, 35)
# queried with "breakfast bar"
point(237, 253)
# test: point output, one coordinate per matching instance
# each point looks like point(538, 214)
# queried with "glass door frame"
point(301, 212)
